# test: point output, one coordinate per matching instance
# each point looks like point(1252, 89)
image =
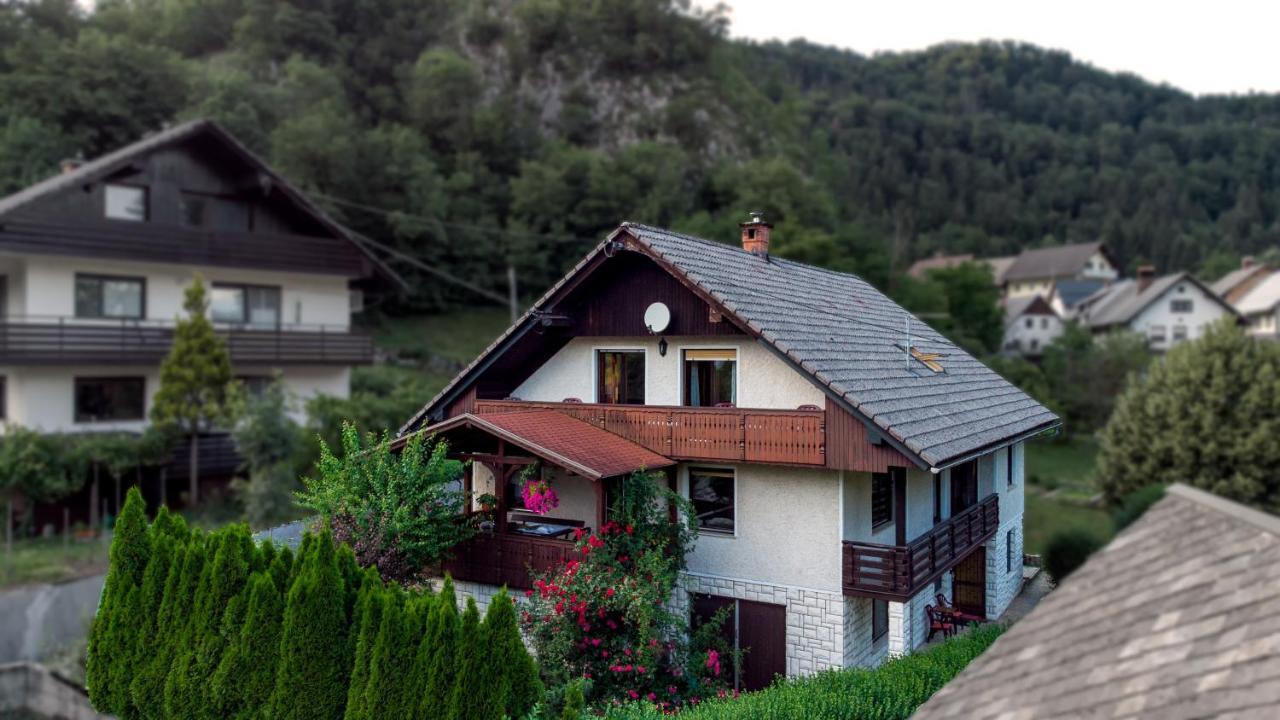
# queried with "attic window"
point(929, 360)
point(125, 202)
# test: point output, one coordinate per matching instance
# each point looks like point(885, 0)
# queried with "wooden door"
point(758, 630)
point(969, 584)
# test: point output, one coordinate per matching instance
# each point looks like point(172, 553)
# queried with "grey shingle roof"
point(1233, 279)
point(1178, 617)
point(1073, 291)
point(1121, 302)
point(1063, 261)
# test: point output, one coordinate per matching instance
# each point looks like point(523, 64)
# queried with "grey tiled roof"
point(1179, 617)
point(1062, 261)
point(852, 338)
point(1121, 302)
point(1073, 291)
point(1231, 280)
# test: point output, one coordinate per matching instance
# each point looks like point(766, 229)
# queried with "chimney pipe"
point(1246, 262)
point(1146, 274)
point(755, 235)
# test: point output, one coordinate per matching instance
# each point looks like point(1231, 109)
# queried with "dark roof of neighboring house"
point(937, 262)
point(848, 337)
point(1063, 261)
point(1237, 277)
point(1016, 307)
point(1121, 302)
point(1072, 292)
point(577, 446)
point(1178, 617)
point(105, 165)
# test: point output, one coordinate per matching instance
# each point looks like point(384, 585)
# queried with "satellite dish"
point(657, 317)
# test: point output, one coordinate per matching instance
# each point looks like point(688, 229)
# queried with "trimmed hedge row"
point(195, 625)
point(891, 692)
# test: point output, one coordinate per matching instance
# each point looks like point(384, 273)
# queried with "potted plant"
point(538, 495)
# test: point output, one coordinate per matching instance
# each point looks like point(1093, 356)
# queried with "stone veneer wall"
point(908, 621)
point(859, 649)
point(815, 619)
point(482, 593)
point(1002, 585)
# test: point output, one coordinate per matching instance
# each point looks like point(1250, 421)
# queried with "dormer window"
point(125, 202)
point(215, 212)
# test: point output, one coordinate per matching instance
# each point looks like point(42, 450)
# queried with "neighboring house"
point(1260, 305)
point(846, 461)
point(1030, 324)
point(1066, 295)
point(1034, 272)
point(1166, 310)
point(920, 268)
point(1175, 618)
point(1233, 286)
point(94, 262)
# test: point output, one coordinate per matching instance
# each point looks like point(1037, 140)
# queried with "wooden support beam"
point(899, 476)
point(600, 503)
point(494, 459)
point(500, 488)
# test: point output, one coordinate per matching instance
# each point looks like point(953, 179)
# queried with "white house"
point(1260, 306)
point(1034, 272)
point(1166, 310)
point(1030, 325)
point(94, 263)
point(844, 474)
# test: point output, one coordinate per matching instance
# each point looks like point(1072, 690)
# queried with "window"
point(1155, 333)
point(1030, 323)
point(1179, 333)
point(215, 213)
point(103, 296)
point(879, 619)
point(126, 202)
point(1044, 323)
point(101, 399)
point(1034, 344)
point(1008, 551)
point(251, 305)
point(1009, 458)
point(710, 377)
point(620, 377)
point(1182, 306)
point(964, 486)
point(711, 490)
point(881, 499)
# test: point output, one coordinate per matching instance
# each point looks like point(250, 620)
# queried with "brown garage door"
point(758, 629)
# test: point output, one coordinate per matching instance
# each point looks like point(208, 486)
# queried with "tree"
point(108, 651)
point(1086, 374)
point(438, 654)
point(393, 651)
point(1208, 415)
point(245, 677)
point(517, 688)
point(194, 380)
point(973, 320)
point(469, 699)
point(148, 686)
point(373, 598)
point(269, 442)
point(33, 466)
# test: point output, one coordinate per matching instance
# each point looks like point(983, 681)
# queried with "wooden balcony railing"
point(795, 437)
point(30, 340)
point(511, 560)
point(896, 572)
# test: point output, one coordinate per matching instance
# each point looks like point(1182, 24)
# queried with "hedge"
point(198, 626)
point(891, 692)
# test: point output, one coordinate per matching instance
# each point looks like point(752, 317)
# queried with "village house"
point(1233, 286)
point(94, 263)
point(1034, 272)
point(920, 268)
point(847, 463)
point(1260, 306)
point(1166, 310)
point(1030, 324)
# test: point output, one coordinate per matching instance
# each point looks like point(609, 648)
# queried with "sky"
point(1206, 47)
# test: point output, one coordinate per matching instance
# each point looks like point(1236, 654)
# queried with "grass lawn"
point(457, 336)
point(48, 561)
point(1045, 516)
point(1064, 465)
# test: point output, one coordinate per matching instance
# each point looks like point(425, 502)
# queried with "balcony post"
point(899, 476)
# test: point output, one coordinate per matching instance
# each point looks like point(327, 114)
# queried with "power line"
point(449, 223)
point(431, 269)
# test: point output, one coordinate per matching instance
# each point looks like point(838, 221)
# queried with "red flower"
point(608, 593)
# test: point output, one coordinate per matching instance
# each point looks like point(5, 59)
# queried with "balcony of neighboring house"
point(39, 339)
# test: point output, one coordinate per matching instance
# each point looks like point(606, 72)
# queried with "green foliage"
point(1133, 505)
point(892, 691)
point(575, 702)
point(270, 443)
point(148, 686)
point(398, 511)
point(972, 313)
point(368, 623)
point(1087, 374)
point(516, 687)
point(120, 610)
point(1208, 415)
point(245, 677)
point(438, 654)
point(1067, 550)
point(468, 699)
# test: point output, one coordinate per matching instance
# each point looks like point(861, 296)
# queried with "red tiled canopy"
point(561, 440)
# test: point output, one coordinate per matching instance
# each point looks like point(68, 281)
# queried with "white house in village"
point(1166, 310)
point(1034, 272)
point(844, 473)
point(1260, 307)
point(1030, 325)
point(94, 263)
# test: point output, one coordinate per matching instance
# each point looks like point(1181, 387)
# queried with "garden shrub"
point(1067, 550)
point(438, 653)
point(891, 692)
point(130, 551)
point(1133, 505)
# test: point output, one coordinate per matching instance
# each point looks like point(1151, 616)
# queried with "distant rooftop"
point(1063, 261)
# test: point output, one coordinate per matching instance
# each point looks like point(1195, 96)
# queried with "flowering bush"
point(602, 617)
point(538, 496)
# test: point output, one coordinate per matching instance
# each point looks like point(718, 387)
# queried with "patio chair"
point(954, 612)
point(939, 622)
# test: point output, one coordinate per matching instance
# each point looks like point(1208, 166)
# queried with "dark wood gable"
point(608, 298)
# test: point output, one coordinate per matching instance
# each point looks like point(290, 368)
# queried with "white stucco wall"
point(764, 381)
point(1205, 311)
point(787, 529)
point(856, 507)
point(1022, 340)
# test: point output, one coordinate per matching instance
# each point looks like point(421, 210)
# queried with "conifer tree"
point(438, 653)
point(280, 570)
point(312, 681)
point(245, 677)
point(472, 698)
point(170, 524)
point(385, 691)
point(147, 688)
point(516, 686)
point(195, 380)
point(263, 555)
point(130, 549)
point(163, 568)
point(183, 687)
point(423, 609)
point(373, 597)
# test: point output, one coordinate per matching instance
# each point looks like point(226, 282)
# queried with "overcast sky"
point(1211, 46)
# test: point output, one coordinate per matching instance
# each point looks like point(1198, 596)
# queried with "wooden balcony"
point(896, 572)
point(787, 437)
point(507, 559)
point(41, 340)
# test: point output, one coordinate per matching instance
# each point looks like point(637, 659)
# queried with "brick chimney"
point(1247, 262)
point(755, 235)
point(1146, 274)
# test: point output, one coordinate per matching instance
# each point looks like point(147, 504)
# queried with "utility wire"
point(437, 272)
point(448, 223)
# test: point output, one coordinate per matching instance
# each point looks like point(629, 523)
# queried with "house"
point(1167, 310)
point(1066, 295)
point(1034, 272)
point(847, 462)
point(1175, 618)
point(94, 262)
point(1233, 286)
point(920, 268)
point(1030, 324)
point(1259, 306)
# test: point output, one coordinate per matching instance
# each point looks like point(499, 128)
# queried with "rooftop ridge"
point(1261, 520)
